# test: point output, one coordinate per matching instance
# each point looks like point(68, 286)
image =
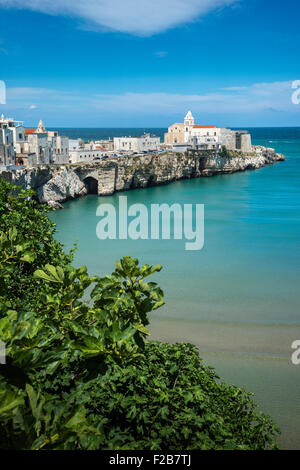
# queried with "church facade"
point(188, 133)
point(207, 137)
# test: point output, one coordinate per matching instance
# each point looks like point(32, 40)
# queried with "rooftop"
point(204, 127)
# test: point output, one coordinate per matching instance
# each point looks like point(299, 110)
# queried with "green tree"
point(82, 375)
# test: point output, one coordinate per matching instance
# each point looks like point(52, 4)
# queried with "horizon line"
point(163, 127)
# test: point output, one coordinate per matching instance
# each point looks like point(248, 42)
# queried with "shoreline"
point(57, 184)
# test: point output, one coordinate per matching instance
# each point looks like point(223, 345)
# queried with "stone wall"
point(54, 185)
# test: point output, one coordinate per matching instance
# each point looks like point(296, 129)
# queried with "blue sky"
point(142, 63)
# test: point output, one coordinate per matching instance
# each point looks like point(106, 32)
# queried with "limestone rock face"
point(54, 185)
point(107, 180)
point(63, 185)
point(29, 178)
point(55, 205)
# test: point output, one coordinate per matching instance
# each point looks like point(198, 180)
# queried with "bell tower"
point(189, 122)
point(41, 128)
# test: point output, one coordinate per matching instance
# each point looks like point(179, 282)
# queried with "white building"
point(82, 155)
point(7, 152)
point(206, 135)
point(236, 140)
point(80, 151)
point(187, 133)
point(18, 134)
point(204, 143)
point(18, 130)
point(60, 147)
point(37, 143)
point(45, 147)
point(106, 145)
point(32, 146)
point(75, 144)
point(145, 143)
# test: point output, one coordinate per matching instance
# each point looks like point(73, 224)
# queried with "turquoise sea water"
point(238, 298)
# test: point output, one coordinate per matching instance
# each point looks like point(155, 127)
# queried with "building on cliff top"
point(30, 147)
point(145, 143)
point(187, 134)
point(7, 152)
point(41, 147)
point(82, 152)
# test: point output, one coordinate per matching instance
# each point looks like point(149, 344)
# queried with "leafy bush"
point(26, 232)
point(81, 375)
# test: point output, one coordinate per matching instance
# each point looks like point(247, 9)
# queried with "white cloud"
point(33, 106)
point(254, 98)
point(235, 88)
point(260, 102)
point(141, 17)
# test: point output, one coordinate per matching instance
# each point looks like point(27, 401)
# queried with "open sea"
point(238, 299)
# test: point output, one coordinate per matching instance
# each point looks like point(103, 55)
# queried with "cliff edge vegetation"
point(83, 375)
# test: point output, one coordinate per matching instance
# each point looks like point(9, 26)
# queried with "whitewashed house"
point(37, 144)
point(75, 144)
point(145, 143)
point(45, 147)
point(60, 147)
point(82, 155)
point(7, 152)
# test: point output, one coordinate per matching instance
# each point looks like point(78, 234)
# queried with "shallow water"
point(238, 298)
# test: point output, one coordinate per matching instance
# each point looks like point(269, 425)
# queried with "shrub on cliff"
point(83, 376)
point(27, 242)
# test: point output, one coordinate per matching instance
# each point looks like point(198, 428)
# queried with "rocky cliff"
point(54, 185)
